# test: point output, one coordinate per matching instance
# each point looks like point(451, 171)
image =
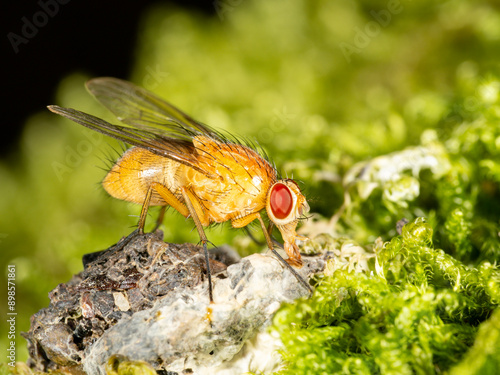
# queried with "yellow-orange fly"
point(179, 162)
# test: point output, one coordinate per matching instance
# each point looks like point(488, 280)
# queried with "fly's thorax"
point(236, 182)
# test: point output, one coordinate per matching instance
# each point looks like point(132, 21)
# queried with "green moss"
point(484, 356)
point(418, 313)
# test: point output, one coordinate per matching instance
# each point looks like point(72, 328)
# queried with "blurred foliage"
point(384, 109)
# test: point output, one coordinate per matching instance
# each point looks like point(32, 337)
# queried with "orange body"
point(236, 182)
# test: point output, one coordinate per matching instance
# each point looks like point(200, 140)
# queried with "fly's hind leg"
point(159, 220)
point(144, 210)
point(87, 258)
point(142, 220)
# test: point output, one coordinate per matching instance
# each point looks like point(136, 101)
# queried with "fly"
point(179, 162)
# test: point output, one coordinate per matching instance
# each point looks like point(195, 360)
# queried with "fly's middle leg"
point(190, 207)
point(200, 220)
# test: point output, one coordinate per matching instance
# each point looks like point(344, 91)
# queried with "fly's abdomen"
point(132, 175)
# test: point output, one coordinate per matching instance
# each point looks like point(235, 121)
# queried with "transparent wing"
point(141, 109)
point(180, 150)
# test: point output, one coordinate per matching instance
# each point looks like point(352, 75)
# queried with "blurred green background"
point(321, 85)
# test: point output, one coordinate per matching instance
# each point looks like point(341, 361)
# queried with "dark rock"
point(117, 283)
point(148, 300)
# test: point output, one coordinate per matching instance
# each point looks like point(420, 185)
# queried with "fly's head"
point(285, 205)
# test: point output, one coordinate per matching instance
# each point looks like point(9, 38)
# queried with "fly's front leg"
point(280, 258)
point(270, 228)
point(245, 220)
point(242, 222)
point(200, 218)
point(269, 241)
point(294, 259)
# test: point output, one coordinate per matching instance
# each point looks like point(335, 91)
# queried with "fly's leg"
point(159, 220)
point(142, 220)
point(245, 220)
point(242, 222)
point(270, 228)
point(200, 220)
point(271, 247)
point(191, 206)
point(170, 198)
point(144, 211)
point(271, 242)
point(88, 258)
point(252, 237)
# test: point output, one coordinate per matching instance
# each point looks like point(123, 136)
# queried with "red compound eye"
point(281, 201)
